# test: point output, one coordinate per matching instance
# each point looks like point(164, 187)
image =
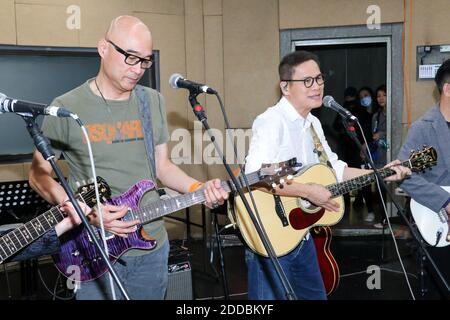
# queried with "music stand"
point(20, 202)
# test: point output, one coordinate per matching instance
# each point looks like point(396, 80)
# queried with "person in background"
point(433, 129)
point(367, 103)
point(348, 150)
point(379, 138)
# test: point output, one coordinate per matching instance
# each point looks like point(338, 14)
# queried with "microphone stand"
point(43, 146)
point(201, 116)
point(351, 132)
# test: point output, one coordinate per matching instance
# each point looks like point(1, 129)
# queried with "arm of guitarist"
point(41, 180)
point(48, 244)
point(320, 196)
point(315, 193)
point(175, 178)
point(400, 172)
point(263, 149)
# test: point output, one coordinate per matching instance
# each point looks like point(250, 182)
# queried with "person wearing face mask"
point(366, 99)
point(364, 116)
point(379, 129)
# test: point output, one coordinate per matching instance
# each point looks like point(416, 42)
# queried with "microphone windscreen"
point(174, 79)
point(327, 100)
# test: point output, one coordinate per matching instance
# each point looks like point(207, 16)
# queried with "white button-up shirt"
point(281, 133)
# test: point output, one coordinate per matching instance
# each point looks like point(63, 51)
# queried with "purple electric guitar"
point(77, 248)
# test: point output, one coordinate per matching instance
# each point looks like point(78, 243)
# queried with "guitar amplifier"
point(179, 285)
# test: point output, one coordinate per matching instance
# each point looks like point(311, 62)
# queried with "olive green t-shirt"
point(117, 140)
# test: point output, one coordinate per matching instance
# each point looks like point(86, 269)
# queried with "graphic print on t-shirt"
point(121, 131)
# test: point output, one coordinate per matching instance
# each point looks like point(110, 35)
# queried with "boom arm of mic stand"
point(200, 114)
point(44, 147)
point(413, 230)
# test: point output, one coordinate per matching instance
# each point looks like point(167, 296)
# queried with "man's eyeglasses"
point(132, 59)
point(309, 81)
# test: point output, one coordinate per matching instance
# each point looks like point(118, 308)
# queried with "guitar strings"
point(34, 228)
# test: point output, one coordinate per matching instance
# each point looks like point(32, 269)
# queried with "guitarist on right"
point(433, 129)
point(288, 130)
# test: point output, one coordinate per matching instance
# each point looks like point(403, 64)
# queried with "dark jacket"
point(47, 244)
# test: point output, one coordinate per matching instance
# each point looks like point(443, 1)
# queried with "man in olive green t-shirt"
point(109, 107)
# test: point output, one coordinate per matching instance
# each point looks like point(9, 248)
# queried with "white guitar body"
point(433, 226)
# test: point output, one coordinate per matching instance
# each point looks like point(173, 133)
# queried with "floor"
point(361, 251)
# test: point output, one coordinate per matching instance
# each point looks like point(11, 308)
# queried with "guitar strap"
point(147, 127)
point(319, 149)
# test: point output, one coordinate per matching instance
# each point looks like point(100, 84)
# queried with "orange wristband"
point(194, 186)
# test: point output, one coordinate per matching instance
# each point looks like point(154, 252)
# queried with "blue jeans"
point(144, 277)
point(301, 268)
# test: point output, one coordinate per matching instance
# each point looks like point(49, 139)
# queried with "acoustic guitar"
point(286, 231)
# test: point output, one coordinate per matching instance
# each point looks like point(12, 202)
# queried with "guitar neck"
point(17, 239)
point(161, 208)
point(341, 188)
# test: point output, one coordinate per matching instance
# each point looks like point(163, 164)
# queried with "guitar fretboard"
point(341, 188)
point(17, 239)
point(164, 207)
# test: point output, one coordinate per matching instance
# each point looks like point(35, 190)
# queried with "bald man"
point(109, 106)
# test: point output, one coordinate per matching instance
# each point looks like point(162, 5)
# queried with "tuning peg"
point(290, 177)
point(282, 181)
point(274, 185)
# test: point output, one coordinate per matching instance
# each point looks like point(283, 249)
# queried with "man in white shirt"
point(283, 132)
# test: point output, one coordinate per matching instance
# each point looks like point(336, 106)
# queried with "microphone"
point(177, 81)
point(329, 102)
point(18, 106)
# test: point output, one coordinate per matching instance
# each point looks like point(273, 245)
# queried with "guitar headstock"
point(87, 192)
point(422, 159)
point(277, 174)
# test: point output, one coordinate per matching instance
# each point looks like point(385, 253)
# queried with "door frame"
point(362, 40)
point(391, 34)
